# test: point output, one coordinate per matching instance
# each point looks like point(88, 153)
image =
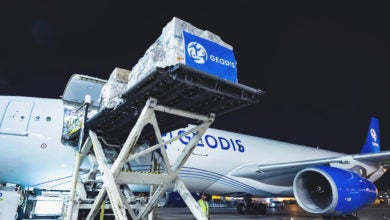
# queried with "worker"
point(204, 205)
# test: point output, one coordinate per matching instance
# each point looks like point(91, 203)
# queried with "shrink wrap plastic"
point(114, 88)
point(168, 49)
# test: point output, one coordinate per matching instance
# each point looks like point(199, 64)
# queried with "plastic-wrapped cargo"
point(116, 85)
point(181, 42)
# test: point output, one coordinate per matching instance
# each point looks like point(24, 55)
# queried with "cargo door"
point(16, 117)
point(80, 85)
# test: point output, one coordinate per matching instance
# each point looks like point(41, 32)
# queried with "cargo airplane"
point(36, 155)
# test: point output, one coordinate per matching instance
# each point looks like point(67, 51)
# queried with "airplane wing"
point(284, 173)
point(374, 158)
point(279, 173)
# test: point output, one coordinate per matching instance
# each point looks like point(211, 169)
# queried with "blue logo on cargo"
point(210, 57)
point(197, 52)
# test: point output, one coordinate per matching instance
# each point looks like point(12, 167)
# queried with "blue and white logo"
point(210, 57)
point(197, 52)
point(373, 134)
point(374, 137)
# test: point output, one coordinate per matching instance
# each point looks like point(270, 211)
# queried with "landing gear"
point(352, 215)
point(242, 208)
point(249, 207)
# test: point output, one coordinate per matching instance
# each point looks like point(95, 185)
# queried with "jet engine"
point(332, 191)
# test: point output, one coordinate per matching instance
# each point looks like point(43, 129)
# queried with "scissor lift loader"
point(169, 98)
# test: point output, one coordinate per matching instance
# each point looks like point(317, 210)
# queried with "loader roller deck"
point(178, 86)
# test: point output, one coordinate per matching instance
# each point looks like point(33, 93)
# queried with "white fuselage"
point(30, 142)
point(33, 155)
point(220, 153)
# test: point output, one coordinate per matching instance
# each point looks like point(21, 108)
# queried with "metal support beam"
point(110, 185)
point(114, 177)
point(124, 154)
point(176, 168)
point(192, 204)
point(73, 200)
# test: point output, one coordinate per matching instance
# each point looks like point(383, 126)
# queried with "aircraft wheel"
point(241, 208)
point(262, 209)
point(353, 215)
point(163, 200)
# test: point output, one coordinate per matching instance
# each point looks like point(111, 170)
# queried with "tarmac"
point(289, 212)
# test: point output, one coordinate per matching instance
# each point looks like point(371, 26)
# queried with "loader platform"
point(177, 86)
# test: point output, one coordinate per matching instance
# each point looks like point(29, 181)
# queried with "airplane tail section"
point(372, 144)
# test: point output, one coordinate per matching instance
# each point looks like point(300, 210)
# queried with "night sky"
point(324, 68)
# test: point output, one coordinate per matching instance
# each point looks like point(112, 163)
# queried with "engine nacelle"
point(332, 191)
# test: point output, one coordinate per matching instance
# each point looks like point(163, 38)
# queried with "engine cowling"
point(332, 191)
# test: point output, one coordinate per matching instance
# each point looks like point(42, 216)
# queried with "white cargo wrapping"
point(116, 85)
point(9, 201)
point(169, 49)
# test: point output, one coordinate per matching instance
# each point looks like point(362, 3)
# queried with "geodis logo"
point(374, 137)
point(197, 52)
point(199, 55)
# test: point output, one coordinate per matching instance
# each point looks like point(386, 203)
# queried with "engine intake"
point(329, 190)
